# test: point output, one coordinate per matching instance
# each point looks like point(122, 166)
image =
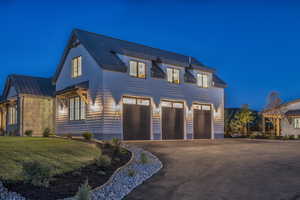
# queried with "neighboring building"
point(285, 119)
point(119, 89)
point(27, 104)
point(115, 88)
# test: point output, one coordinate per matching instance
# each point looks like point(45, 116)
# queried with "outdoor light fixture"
point(62, 110)
point(156, 111)
point(96, 107)
point(117, 109)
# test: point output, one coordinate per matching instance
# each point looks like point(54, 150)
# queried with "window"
point(137, 69)
point(12, 115)
point(136, 101)
point(76, 67)
point(77, 109)
point(173, 75)
point(297, 123)
point(202, 80)
point(170, 104)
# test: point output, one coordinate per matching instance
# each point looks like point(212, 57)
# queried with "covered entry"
point(202, 121)
point(136, 118)
point(172, 120)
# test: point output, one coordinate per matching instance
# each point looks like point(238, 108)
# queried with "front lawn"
point(63, 155)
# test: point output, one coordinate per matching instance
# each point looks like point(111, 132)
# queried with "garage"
point(136, 118)
point(172, 120)
point(202, 121)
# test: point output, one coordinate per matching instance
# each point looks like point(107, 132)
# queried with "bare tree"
point(273, 100)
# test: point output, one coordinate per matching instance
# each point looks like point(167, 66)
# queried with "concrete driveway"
point(223, 170)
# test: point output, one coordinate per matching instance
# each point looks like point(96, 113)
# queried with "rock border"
point(121, 183)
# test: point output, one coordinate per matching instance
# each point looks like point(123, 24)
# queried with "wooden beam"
point(83, 95)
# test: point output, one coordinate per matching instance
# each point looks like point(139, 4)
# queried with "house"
point(283, 119)
point(27, 104)
point(119, 89)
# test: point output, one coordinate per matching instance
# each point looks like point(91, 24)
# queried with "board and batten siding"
point(90, 72)
point(108, 87)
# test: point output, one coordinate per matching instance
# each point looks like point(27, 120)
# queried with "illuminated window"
point(297, 123)
point(77, 109)
point(12, 115)
point(76, 67)
point(201, 107)
point(202, 80)
point(173, 75)
point(170, 104)
point(137, 69)
point(136, 101)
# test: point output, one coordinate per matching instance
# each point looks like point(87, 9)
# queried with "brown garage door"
point(172, 120)
point(136, 119)
point(202, 121)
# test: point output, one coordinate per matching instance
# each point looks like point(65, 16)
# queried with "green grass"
point(63, 155)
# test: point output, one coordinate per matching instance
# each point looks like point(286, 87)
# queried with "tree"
point(242, 119)
point(273, 100)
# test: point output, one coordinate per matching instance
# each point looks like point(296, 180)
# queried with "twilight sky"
point(254, 45)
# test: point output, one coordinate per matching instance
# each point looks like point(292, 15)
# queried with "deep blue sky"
point(254, 45)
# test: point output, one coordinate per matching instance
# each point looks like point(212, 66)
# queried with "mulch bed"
point(66, 185)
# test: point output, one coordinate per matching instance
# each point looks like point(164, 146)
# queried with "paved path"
point(223, 170)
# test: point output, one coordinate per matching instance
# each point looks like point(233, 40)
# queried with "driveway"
point(223, 170)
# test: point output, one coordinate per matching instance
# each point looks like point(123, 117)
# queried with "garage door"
point(172, 120)
point(202, 121)
point(136, 118)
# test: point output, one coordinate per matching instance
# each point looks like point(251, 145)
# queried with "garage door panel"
point(136, 122)
point(202, 124)
point(172, 123)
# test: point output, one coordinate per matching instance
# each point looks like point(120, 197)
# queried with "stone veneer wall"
point(37, 114)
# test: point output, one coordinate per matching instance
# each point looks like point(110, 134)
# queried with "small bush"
point(47, 132)
point(28, 133)
point(252, 136)
point(291, 137)
point(286, 137)
point(37, 173)
point(87, 135)
point(116, 145)
point(298, 137)
point(103, 161)
point(101, 172)
point(69, 136)
point(144, 158)
point(131, 173)
point(84, 192)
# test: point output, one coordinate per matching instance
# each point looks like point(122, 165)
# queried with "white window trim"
point(172, 78)
point(298, 124)
point(200, 80)
point(76, 70)
point(77, 109)
point(137, 73)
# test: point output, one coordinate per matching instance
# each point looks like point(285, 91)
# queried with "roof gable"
point(104, 49)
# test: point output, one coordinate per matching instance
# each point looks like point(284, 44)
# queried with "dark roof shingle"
point(31, 85)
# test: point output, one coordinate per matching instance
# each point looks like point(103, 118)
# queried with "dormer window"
point(173, 75)
point(76, 67)
point(137, 69)
point(203, 80)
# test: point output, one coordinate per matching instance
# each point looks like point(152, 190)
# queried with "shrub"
point(84, 192)
point(286, 137)
point(131, 172)
point(116, 145)
point(292, 137)
point(87, 135)
point(37, 173)
point(103, 161)
point(253, 136)
point(298, 137)
point(47, 132)
point(144, 158)
point(272, 137)
point(69, 136)
point(29, 133)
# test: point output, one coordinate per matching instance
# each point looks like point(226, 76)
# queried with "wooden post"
point(277, 127)
point(263, 125)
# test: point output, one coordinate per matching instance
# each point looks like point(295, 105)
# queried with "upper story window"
point(173, 75)
point(77, 109)
point(203, 80)
point(12, 115)
point(297, 123)
point(76, 67)
point(137, 69)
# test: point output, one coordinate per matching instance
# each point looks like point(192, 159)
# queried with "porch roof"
point(291, 113)
point(83, 85)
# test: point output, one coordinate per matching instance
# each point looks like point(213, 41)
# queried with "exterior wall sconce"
point(156, 112)
point(96, 107)
point(217, 113)
point(62, 110)
point(189, 114)
point(117, 109)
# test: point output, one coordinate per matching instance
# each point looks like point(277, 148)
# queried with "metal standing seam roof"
point(30, 85)
point(104, 50)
